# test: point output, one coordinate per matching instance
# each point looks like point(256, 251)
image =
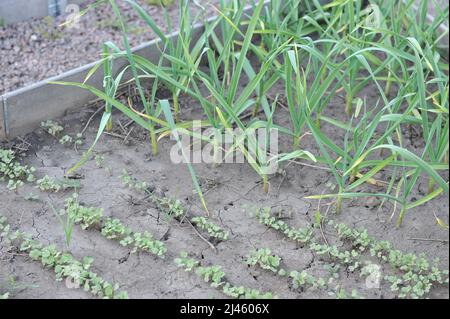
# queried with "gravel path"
point(34, 50)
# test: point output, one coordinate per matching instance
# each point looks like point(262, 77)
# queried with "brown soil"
point(229, 189)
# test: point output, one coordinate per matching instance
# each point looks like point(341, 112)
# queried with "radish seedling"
point(264, 258)
point(212, 229)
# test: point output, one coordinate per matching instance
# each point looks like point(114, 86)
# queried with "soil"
point(231, 190)
point(47, 49)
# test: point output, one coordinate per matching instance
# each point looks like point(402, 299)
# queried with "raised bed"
point(124, 181)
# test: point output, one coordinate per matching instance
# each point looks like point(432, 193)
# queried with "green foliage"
point(302, 236)
point(50, 184)
point(211, 274)
point(340, 293)
point(67, 267)
point(131, 182)
point(189, 264)
point(165, 3)
point(114, 229)
point(302, 280)
point(66, 139)
point(51, 127)
point(146, 242)
point(63, 264)
point(411, 276)
point(242, 292)
point(85, 216)
point(216, 277)
point(211, 228)
point(13, 172)
point(171, 207)
point(264, 258)
point(99, 160)
point(317, 55)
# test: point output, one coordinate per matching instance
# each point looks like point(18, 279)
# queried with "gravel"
point(37, 49)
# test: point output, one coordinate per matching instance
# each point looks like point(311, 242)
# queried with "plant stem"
point(109, 125)
point(349, 104)
point(318, 121)
point(154, 141)
point(256, 108)
point(387, 89)
point(431, 183)
point(297, 142)
point(401, 216)
point(176, 107)
point(339, 202)
point(266, 184)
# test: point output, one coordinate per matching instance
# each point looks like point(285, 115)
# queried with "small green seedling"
point(63, 264)
point(212, 274)
point(50, 184)
point(189, 264)
point(99, 160)
point(13, 172)
point(211, 228)
point(31, 197)
point(85, 216)
point(51, 127)
point(79, 139)
point(114, 229)
point(131, 182)
point(65, 140)
point(341, 293)
point(264, 258)
point(146, 242)
point(302, 280)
